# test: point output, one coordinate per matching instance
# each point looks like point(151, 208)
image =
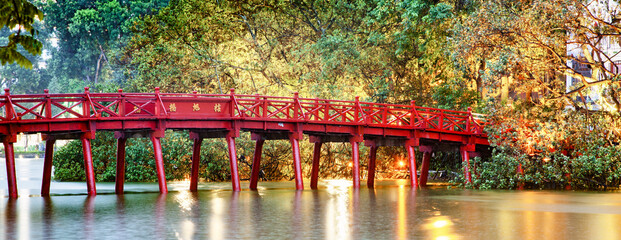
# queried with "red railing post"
point(413, 113)
point(121, 103)
point(264, 107)
point(468, 120)
point(356, 111)
point(441, 120)
point(296, 102)
point(157, 102)
point(233, 103)
point(86, 110)
point(48, 104)
point(385, 115)
point(326, 115)
point(10, 111)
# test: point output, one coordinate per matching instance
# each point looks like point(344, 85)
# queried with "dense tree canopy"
point(88, 37)
point(335, 49)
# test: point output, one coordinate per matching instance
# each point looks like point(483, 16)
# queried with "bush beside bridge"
point(568, 150)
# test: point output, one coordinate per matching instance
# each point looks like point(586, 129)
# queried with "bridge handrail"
point(31, 107)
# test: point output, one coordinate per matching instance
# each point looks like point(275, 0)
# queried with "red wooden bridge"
point(80, 116)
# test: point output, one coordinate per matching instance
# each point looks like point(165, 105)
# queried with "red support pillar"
point(356, 164)
point(47, 167)
point(315, 167)
point(466, 159)
point(159, 164)
point(412, 160)
point(88, 166)
point(371, 169)
point(120, 165)
point(256, 164)
point(424, 168)
point(196, 158)
point(230, 140)
point(297, 165)
point(10, 168)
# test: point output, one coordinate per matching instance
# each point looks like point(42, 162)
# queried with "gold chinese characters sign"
point(217, 108)
point(172, 107)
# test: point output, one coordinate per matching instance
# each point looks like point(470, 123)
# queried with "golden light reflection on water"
point(24, 216)
point(337, 213)
point(402, 226)
point(440, 228)
point(185, 200)
point(216, 222)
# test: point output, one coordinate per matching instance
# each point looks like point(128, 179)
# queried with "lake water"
point(277, 211)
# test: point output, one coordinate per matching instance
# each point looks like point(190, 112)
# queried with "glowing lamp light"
point(546, 159)
point(401, 164)
point(351, 164)
point(440, 223)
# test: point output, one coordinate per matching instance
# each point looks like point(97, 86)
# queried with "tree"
point(19, 16)
point(90, 36)
point(330, 49)
point(26, 80)
point(521, 54)
point(534, 46)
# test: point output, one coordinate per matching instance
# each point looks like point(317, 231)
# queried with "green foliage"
point(19, 17)
point(455, 97)
point(565, 150)
point(89, 36)
point(140, 163)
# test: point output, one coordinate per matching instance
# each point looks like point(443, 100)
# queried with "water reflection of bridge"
point(80, 116)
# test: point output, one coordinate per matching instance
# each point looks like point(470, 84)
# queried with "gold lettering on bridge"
point(172, 107)
point(195, 107)
point(136, 109)
point(217, 108)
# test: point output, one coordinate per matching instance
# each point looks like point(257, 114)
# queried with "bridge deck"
point(80, 116)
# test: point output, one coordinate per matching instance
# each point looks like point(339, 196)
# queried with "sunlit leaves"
point(19, 16)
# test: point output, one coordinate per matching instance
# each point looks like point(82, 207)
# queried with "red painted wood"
point(47, 167)
point(412, 161)
point(61, 115)
point(88, 166)
point(424, 168)
point(159, 164)
point(196, 158)
point(356, 164)
point(297, 165)
point(142, 107)
point(466, 159)
point(233, 162)
point(120, 165)
point(371, 169)
point(256, 164)
point(10, 168)
point(315, 167)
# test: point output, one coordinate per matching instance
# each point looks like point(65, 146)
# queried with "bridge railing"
point(89, 106)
